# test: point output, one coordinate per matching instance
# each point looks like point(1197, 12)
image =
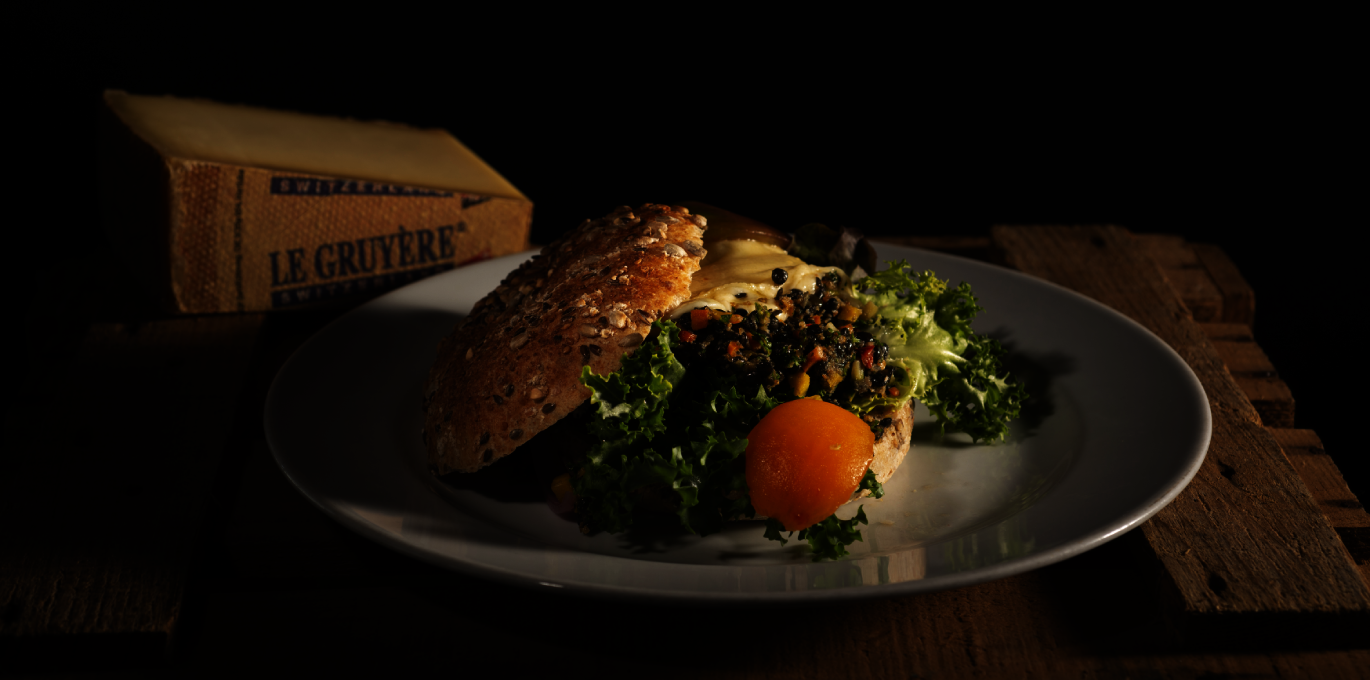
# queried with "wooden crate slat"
point(1229, 332)
point(1239, 301)
point(1203, 276)
point(1197, 291)
point(1343, 510)
point(1253, 371)
point(1245, 536)
point(1271, 398)
point(1170, 251)
point(1244, 357)
point(146, 409)
point(1181, 268)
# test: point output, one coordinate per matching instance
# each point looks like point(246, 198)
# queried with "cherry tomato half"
point(805, 459)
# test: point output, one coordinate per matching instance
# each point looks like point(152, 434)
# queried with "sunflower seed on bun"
point(512, 367)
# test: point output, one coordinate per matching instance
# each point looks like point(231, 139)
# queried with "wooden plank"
point(1271, 398)
point(1021, 627)
point(1239, 301)
point(1185, 274)
point(1055, 622)
point(1344, 512)
point(1170, 251)
point(1197, 291)
point(1245, 537)
point(1228, 332)
point(112, 464)
point(1203, 276)
point(1253, 371)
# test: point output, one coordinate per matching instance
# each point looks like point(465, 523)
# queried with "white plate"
point(1121, 427)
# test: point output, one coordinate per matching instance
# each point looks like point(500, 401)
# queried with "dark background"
point(1243, 144)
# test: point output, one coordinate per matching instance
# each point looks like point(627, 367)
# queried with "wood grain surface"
point(117, 451)
point(275, 583)
point(1344, 512)
point(1182, 270)
point(1203, 276)
point(1239, 301)
point(1253, 372)
point(1245, 537)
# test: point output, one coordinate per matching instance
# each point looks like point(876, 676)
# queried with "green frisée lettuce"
point(937, 358)
point(631, 414)
point(828, 539)
point(691, 463)
point(670, 426)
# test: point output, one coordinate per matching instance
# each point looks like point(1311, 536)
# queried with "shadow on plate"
point(527, 475)
point(1037, 373)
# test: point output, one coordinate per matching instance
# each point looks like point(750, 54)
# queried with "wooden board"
point(280, 575)
point(1344, 512)
point(1239, 301)
point(1182, 270)
point(1253, 372)
point(1202, 276)
point(111, 464)
point(1093, 616)
point(1245, 537)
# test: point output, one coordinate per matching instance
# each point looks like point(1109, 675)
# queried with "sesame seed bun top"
point(512, 368)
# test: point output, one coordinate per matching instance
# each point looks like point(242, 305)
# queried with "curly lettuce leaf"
point(690, 464)
point(871, 484)
point(716, 428)
point(632, 400)
point(829, 538)
point(937, 357)
point(623, 466)
point(773, 529)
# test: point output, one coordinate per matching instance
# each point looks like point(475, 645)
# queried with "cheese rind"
point(199, 130)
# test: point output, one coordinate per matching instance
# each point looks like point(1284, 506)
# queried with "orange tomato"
point(805, 459)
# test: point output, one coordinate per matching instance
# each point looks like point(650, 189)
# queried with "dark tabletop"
point(269, 579)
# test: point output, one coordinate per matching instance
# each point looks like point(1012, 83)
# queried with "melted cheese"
point(737, 275)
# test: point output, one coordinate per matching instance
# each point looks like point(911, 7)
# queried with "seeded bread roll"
point(512, 368)
point(891, 448)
